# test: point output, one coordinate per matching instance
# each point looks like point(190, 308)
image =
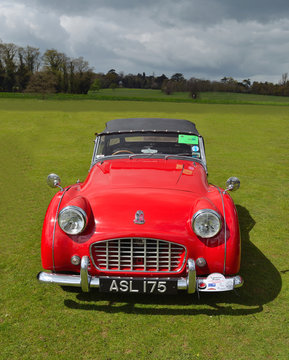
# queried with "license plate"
point(140, 285)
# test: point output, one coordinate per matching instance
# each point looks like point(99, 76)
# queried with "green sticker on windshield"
point(188, 139)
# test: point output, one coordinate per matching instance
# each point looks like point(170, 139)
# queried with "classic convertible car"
point(145, 220)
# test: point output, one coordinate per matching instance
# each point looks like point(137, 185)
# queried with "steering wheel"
point(122, 151)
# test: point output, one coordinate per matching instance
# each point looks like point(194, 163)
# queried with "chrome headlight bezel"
point(200, 216)
point(77, 212)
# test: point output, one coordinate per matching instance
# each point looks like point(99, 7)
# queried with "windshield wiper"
point(166, 156)
point(182, 154)
point(143, 155)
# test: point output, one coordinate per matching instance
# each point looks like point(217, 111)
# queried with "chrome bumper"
point(191, 283)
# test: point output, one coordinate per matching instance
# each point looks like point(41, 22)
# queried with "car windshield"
point(148, 143)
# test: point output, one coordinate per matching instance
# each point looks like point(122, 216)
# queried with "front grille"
point(138, 254)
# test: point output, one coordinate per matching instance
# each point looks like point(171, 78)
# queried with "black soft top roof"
point(150, 125)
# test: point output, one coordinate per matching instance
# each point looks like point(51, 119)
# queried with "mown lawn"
point(204, 97)
point(46, 322)
point(124, 94)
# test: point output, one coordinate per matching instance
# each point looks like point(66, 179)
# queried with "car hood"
point(182, 175)
point(164, 190)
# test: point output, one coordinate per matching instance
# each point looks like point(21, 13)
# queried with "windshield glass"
point(148, 143)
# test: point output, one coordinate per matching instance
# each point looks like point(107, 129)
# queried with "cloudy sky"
point(200, 38)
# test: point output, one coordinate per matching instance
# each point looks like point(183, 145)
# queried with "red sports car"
point(145, 220)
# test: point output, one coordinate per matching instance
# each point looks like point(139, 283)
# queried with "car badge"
point(139, 217)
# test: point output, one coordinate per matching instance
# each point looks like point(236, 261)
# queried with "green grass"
point(238, 98)
point(46, 322)
point(157, 96)
point(204, 97)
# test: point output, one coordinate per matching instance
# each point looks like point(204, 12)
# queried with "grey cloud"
point(260, 10)
point(76, 7)
point(204, 38)
point(201, 11)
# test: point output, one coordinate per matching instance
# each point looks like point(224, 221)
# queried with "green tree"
point(53, 60)
point(7, 55)
point(81, 76)
point(177, 77)
point(194, 86)
point(31, 58)
point(43, 82)
point(57, 63)
point(112, 78)
point(168, 87)
point(96, 85)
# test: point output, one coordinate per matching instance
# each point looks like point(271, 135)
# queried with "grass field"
point(46, 322)
point(150, 95)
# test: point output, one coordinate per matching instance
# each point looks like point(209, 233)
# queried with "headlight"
point(206, 223)
point(72, 220)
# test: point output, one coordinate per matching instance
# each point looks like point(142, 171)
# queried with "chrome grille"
point(138, 254)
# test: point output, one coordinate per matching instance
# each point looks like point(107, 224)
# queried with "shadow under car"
point(262, 285)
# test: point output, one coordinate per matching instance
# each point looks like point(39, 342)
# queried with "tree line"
point(25, 69)
point(178, 83)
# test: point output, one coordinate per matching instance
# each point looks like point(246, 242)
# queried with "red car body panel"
point(168, 191)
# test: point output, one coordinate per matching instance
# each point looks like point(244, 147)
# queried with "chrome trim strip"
point(225, 229)
point(144, 255)
point(158, 255)
point(54, 228)
point(152, 156)
point(96, 142)
point(131, 253)
point(203, 154)
point(170, 256)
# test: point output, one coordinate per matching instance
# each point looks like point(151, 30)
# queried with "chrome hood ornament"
point(139, 217)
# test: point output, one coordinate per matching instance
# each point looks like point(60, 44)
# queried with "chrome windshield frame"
point(97, 158)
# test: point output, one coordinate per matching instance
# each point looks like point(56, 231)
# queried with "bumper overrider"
point(214, 282)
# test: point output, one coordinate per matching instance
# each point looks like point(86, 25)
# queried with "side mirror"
point(232, 184)
point(53, 181)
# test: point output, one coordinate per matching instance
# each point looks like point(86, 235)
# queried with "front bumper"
point(213, 283)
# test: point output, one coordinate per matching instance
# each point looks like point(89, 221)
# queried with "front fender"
point(48, 231)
